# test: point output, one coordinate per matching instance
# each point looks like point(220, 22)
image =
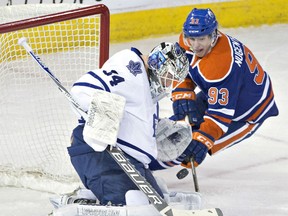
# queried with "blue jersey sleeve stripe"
point(81, 120)
point(100, 80)
point(122, 142)
point(157, 165)
point(87, 85)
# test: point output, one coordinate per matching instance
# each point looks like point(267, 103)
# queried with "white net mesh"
point(36, 118)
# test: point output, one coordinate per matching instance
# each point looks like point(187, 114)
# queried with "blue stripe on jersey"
point(100, 80)
point(106, 87)
point(160, 165)
point(122, 142)
point(87, 85)
point(135, 50)
point(81, 121)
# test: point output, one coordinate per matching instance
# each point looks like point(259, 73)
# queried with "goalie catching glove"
point(172, 138)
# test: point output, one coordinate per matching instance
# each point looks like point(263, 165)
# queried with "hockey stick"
point(184, 172)
point(194, 175)
point(158, 202)
point(23, 42)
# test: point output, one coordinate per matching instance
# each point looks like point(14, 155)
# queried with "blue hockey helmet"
point(200, 22)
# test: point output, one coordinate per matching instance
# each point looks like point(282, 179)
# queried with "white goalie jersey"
point(124, 74)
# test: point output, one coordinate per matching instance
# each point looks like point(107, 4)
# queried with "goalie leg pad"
point(136, 197)
point(185, 200)
point(68, 198)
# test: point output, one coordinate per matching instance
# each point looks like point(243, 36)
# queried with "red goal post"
point(37, 121)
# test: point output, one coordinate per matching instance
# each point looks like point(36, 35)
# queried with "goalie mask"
point(167, 64)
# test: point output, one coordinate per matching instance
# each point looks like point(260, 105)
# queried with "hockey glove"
point(184, 103)
point(172, 138)
point(197, 149)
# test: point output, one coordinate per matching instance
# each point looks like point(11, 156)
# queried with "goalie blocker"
point(105, 111)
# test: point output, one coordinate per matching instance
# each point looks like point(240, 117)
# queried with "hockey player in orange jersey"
point(235, 96)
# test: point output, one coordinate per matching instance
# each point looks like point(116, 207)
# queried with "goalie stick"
point(23, 42)
point(156, 200)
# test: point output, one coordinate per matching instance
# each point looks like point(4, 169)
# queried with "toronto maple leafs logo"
point(134, 67)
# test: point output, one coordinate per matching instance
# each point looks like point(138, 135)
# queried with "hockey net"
point(36, 119)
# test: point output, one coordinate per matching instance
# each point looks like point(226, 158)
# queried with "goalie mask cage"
point(36, 119)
